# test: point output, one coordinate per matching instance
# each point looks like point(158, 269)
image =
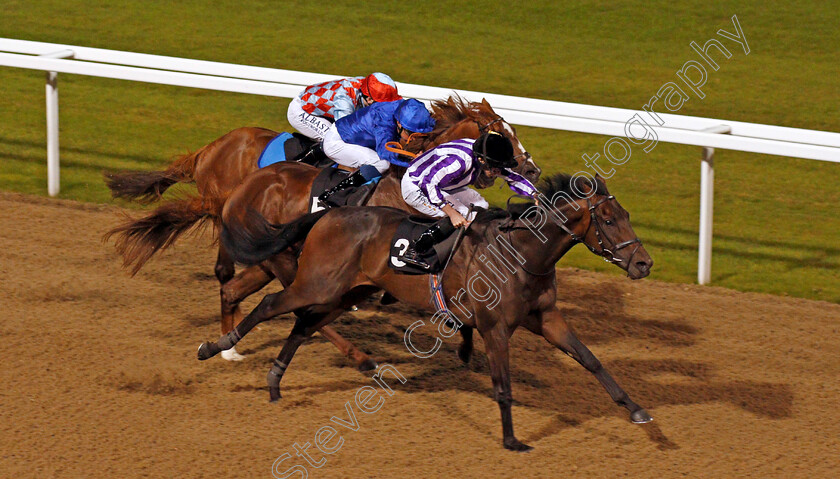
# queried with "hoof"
point(274, 394)
point(208, 350)
point(640, 417)
point(514, 444)
point(354, 308)
point(387, 299)
point(232, 355)
point(367, 365)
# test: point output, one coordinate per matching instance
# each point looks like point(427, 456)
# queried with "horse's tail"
point(138, 239)
point(260, 239)
point(148, 186)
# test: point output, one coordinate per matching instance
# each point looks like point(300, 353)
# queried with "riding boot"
point(313, 154)
point(427, 240)
point(357, 178)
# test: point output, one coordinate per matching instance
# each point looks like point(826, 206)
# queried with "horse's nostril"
point(642, 265)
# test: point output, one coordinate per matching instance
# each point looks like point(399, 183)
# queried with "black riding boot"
point(427, 240)
point(313, 154)
point(355, 179)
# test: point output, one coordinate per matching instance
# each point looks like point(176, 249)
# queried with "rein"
point(396, 147)
point(607, 254)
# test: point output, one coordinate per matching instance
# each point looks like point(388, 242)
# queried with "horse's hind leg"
point(247, 282)
point(362, 360)
point(496, 346)
point(558, 333)
point(224, 269)
point(272, 305)
point(284, 266)
point(303, 329)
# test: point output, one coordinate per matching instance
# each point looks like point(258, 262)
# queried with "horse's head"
point(457, 118)
point(490, 121)
point(607, 229)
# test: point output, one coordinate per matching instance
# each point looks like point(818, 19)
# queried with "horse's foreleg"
point(466, 348)
point(247, 282)
point(557, 332)
point(362, 360)
point(303, 329)
point(496, 346)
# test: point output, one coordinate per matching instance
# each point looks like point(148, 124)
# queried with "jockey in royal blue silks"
point(437, 184)
point(358, 140)
point(314, 110)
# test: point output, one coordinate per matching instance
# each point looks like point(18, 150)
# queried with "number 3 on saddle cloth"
point(407, 231)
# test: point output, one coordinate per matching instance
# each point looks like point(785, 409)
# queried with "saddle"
point(294, 147)
point(407, 231)
point(329, 177)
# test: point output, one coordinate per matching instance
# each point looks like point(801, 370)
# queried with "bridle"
point(608, 254)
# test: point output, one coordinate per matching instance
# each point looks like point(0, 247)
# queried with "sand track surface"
point(100, 379)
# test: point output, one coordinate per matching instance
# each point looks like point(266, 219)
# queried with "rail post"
point(53, 176)
point(707, 193)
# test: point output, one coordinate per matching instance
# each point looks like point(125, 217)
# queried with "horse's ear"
point(599, 179)
point(485, 102)
point(583, 185)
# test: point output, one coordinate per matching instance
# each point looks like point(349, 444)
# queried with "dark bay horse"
point(502, 276)
point(280, 192)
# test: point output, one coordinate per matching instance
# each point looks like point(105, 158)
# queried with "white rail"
point(687, 130)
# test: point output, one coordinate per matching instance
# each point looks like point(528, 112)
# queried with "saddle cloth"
point(409, 229)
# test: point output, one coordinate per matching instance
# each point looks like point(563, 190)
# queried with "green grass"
point(776, 222)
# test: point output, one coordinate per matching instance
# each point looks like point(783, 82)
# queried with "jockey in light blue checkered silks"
point(318, 106)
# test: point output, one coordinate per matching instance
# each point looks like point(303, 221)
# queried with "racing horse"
point(279, 191)
point(511, 253)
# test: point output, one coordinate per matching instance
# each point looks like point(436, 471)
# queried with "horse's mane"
point(559, 183)
point(447, 113)
point(454, 110)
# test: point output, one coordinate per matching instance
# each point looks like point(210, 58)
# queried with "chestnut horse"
point(345, 258)
point(279, 191)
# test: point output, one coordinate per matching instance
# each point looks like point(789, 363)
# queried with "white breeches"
point(351, 155)
point(460, 199)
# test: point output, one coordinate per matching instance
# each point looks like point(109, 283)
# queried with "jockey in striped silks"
point(437, 184)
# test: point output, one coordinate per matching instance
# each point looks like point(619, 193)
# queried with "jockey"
point(358, 140)
point(437, 184)
point(314, 110)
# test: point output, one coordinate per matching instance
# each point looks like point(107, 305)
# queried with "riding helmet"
point(414, 116)
point(380, 87)
point(495, 149)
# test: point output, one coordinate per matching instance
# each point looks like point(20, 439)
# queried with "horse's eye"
point(608, 222)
